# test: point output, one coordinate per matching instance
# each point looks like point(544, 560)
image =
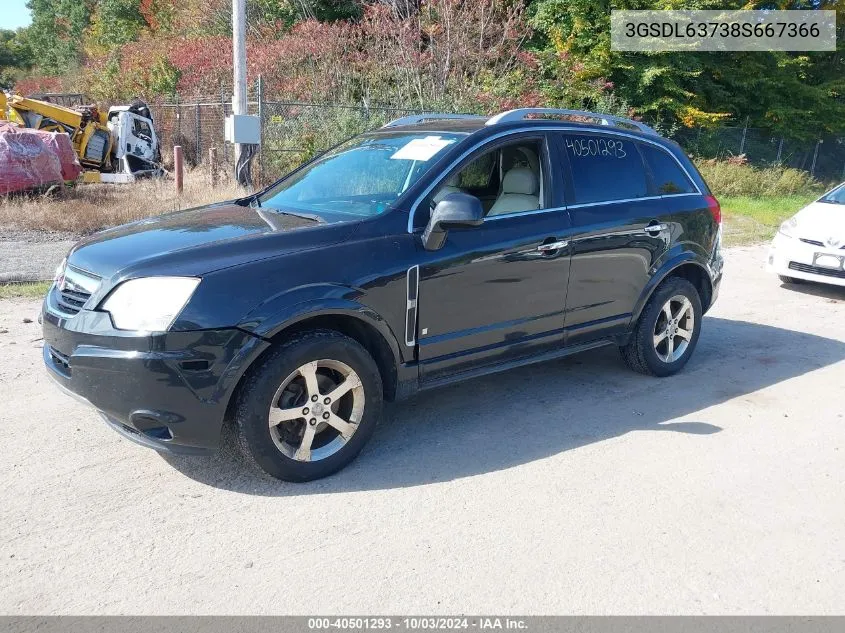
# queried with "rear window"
point(605, 168)
point(669, 178)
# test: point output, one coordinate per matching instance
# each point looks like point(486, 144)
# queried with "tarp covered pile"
point(33, 159)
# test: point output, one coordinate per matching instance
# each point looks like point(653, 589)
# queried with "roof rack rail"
point(433, 116)
point(605, 119)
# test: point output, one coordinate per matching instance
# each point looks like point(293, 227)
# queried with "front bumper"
point(791, 257)
point(166, 391)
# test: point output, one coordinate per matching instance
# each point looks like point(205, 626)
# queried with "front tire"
point(667, 332)
point(308, 409)
point(784, 279)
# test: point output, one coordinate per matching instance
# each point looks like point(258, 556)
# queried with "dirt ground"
point(570, 487)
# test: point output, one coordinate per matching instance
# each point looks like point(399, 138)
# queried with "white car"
point(810, 246)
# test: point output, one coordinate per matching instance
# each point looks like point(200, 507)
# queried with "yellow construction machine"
point(121, 142)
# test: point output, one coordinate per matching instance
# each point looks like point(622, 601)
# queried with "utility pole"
point(239, 63)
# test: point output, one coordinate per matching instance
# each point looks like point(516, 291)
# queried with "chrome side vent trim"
point(412, 285)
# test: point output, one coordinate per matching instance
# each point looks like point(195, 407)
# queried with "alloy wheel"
point(673, 329)
point(316, 410)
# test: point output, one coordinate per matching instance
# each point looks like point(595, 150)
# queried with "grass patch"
point(34, 290)
point(750, 220)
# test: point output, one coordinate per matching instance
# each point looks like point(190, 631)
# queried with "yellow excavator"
point(121, 141)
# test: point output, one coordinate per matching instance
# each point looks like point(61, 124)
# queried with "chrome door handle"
point(552, 246)
point(654, 229)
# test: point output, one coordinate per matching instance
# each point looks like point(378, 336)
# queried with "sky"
point(13, 14)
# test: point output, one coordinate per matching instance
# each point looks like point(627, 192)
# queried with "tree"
point(114, 23)
point(56, 32)
point(15, 57)
point(795, 95)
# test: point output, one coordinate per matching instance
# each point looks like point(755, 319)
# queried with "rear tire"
point(308, 409)
point(667, 331)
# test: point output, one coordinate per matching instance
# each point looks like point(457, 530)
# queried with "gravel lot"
point(570, 487)
point(32, 255)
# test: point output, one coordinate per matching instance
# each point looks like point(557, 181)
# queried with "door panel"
point(612, 260)
point(490, 295)
point(611, 202)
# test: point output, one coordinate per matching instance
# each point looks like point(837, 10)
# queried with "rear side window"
point(668, 176)
point(605, 168)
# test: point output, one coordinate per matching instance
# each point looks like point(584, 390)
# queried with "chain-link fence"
point(291, 133)
point(823, 158)
point(197, 125)
point(294, 132)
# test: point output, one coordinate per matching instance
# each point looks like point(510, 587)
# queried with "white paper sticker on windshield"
point(421, 148)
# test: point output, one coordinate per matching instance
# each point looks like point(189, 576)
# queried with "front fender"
point(305, 302)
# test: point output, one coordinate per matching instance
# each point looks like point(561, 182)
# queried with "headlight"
point(150, 304)
point(60, 271)
point(788, 227)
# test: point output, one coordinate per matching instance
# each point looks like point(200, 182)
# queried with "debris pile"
point(33, 160)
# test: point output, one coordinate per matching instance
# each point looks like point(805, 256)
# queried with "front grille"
point(73, 289)
point(817, 270)
point(71, 301)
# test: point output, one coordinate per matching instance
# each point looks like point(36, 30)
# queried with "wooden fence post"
point(212, 161)
point(178, 168)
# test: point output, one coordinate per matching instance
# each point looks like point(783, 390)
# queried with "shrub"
point(728, 178)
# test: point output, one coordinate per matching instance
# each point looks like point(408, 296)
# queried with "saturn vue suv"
point(435, 249)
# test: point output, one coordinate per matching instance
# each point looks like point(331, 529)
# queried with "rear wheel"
point(667, 331)
point(310, 407)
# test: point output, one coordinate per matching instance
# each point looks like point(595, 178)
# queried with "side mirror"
point(456, 210)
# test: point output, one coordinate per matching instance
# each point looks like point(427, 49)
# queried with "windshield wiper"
point(255, 203)
point(305, 216)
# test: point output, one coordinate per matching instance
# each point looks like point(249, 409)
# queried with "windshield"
point(837, 196)
point(360, 178)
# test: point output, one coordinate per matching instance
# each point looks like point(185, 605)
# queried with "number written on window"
point(591, 146)
point(605, 168)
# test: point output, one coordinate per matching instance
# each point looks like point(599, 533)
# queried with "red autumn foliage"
point(450, 54)
point(37, 84)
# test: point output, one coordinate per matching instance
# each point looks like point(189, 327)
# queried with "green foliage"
point(799, 96)
point(289, 12)
point(467, 55)
point(164, 77)
point(261, 12)
point(15, 57)
point(114, 23)
point(726, 178)
point(56, 32)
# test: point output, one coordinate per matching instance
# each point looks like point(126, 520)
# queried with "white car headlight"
point(788, 228)
point(60, 270)
point(150, 304)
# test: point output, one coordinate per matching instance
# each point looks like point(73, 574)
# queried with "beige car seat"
point(451, 186)
point(520, 192)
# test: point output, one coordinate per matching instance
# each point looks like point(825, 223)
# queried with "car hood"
point(201, 240)
point(822, 221)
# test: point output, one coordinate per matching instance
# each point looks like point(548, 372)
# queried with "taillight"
point(715, 209)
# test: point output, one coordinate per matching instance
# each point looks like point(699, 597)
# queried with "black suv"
point(435, 249)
